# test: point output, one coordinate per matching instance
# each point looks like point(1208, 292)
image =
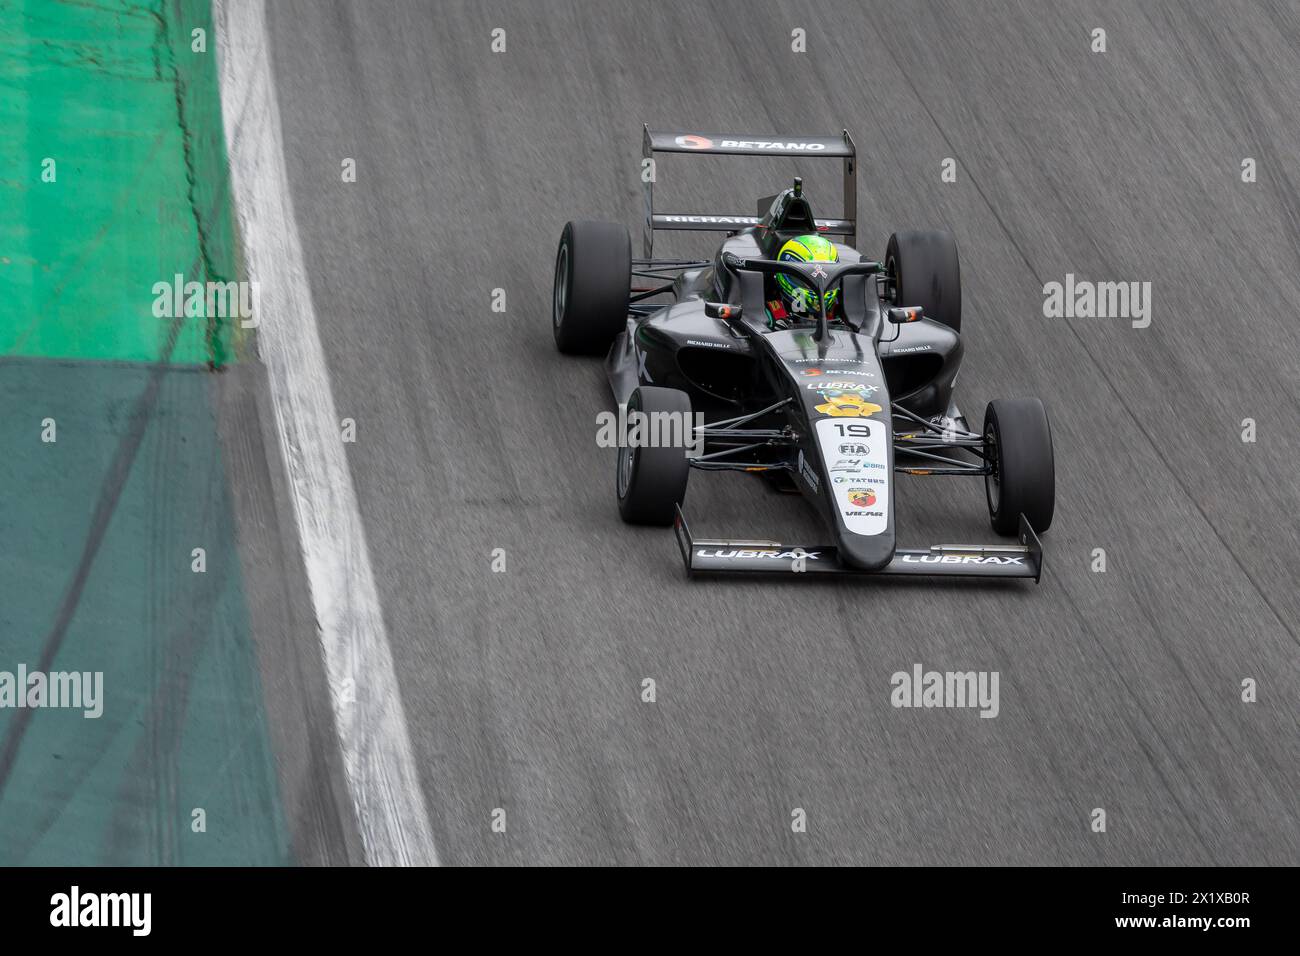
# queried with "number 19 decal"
point(856, 430)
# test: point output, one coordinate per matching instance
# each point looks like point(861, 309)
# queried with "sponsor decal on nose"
point(862, 497)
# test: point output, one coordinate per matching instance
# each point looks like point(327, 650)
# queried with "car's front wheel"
point(653, 469)
point(1018, 446)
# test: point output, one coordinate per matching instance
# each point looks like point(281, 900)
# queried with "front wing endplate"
point(948, 560)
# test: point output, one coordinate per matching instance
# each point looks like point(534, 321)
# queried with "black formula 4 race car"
point(831, 406)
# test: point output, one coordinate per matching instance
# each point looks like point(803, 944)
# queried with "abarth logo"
point(862, 497)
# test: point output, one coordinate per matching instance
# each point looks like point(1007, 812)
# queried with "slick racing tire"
point(593, 279)
point(925, 272)
point(1018, 444)
point(651, 481)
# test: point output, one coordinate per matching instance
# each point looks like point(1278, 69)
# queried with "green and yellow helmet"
point(797, 296)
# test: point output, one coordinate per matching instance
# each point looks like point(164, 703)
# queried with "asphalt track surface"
point(1119, 690)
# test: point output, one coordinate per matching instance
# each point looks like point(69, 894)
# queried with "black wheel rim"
point(625, 457)
point(561, 285)
point(992, 481)
point(626, 451)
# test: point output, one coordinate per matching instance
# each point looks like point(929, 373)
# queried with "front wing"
point(949, 560)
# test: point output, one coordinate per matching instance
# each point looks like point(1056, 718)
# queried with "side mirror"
point(721, 310)
point(906, 314)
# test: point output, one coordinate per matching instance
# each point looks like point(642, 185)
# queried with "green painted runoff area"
point(112, 169)
point(110, 466)
point(110, 547)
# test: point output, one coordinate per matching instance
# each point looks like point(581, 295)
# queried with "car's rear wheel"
point(593, 278)
point(924, 270)
point(1018, 445)
point(651, 479)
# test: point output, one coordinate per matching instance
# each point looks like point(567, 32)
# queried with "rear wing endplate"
point(744, 144)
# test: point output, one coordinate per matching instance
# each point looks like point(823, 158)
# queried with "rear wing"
point(739, 144)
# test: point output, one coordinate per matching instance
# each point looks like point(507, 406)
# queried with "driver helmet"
point(798, 297)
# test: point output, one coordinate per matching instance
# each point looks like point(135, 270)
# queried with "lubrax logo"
point(862, 387)
point(102, 909)
point(742, 553)
point(961, 559)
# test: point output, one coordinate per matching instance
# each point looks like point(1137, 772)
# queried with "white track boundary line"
point(371, 725)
